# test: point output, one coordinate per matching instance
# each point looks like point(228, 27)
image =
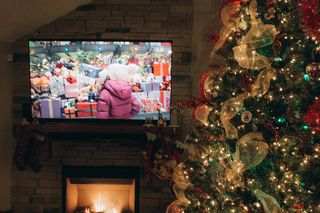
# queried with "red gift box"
point(72, 90)
point(161, 69)
point(150, 105)
point(133, 60)
point(86, 109)
point(163, 97)
point(165, 44)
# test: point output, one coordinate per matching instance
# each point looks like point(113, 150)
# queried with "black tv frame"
point(94, 120)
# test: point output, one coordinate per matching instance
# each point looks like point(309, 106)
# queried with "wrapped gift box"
point(150, 86)
point(72, 90)
point(148, 105)
point(85, 80)
point(161, 69)
point(90, 70)
point(57, 86)
point(162, 78)
point(86, 109)
point(70, 102)
point(140, 95)
point(69, 112)
point(161, 96)
point(165, 44)
point(50, 108)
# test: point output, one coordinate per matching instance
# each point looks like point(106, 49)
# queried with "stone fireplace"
point(93, 165)
point(108, 189)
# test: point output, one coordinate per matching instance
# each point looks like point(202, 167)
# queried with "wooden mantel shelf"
point(88, 128)
point(96, 128)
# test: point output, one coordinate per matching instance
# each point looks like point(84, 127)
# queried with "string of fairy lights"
point(219, 182)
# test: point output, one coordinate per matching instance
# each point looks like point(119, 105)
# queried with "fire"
point(99, 205)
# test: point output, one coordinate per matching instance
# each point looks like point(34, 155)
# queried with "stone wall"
point(119, 19)
point(102, 19)
point(5, 125)
point(41, 192)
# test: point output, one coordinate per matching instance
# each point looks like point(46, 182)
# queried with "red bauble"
point(205, 82)
point(310, 17)
point(312, 118)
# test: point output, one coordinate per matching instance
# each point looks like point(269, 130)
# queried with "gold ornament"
point(246, 117)
point(313, 69)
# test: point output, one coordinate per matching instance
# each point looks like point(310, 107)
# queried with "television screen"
point(100, 79)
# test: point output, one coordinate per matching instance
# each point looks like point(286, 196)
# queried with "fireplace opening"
point(101, 189)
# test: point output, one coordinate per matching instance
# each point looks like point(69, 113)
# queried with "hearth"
point(100, 189)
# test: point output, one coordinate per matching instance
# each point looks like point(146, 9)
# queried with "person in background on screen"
point(116, 100)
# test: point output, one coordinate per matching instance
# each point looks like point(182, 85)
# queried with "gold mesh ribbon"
point(259, 35)
point(262, 84)
point(229, 109)
point(250, 151)
point(181, 183)
point(269, 203)
point(230, 21)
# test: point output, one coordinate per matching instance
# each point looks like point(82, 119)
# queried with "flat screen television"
point(127, 80)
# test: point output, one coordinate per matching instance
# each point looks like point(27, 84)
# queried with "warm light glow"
point(99, 205)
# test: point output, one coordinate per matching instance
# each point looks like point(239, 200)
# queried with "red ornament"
point(298, 205)
point(204, 84)
point(312, 118)
point(247, 81)
point(310, 17)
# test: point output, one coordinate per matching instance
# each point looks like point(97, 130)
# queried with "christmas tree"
point(257, 148)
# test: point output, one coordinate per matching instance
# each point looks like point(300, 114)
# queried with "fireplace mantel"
point(103, 129)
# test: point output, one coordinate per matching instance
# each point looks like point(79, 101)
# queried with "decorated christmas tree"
point(257, 146)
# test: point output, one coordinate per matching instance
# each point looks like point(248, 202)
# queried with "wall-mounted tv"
point(129, 80)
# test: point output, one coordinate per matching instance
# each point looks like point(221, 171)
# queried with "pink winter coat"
point(116, 101)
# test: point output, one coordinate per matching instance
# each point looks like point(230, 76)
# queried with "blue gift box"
point(150, 86)
point(50, 108)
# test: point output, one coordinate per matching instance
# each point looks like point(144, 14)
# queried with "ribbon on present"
point(165, 99)
point(70, 112)
point(161, 69)
point(50, 109)
point(86, 112)
point(151, 85)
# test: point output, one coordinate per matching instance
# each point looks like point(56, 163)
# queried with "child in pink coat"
point(116, 100)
